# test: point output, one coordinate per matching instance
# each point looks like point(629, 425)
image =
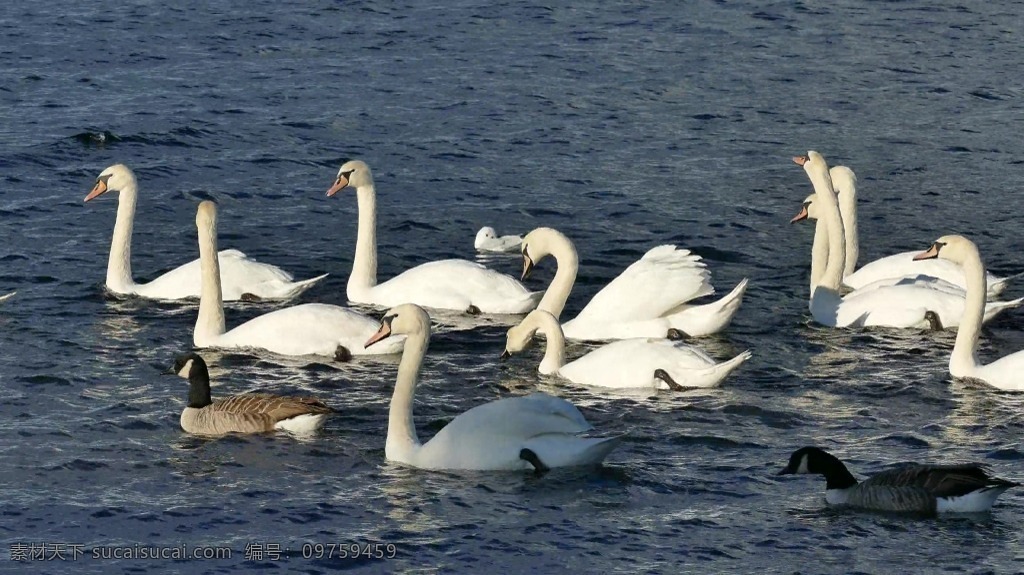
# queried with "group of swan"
point(902, 304)
point(959, 299)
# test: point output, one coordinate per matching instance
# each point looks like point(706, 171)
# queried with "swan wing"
point(631, 363)
point(662, 280)
point(310, 328)
point(456, 284)
point(892, 268)
point(239, 274)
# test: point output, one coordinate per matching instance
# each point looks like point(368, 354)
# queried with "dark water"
point(624, 125)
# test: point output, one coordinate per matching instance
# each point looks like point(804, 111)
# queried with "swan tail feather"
point(300, 286)
point(714, 375)
point(700, 320)
point(995, 288)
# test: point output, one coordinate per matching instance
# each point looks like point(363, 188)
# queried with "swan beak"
point(800, 160)
point(527, 267)
point(340, 183)
point(382, 333)
point(800, 216)
point(505, 355)
point(99, 188)
point(930, 253)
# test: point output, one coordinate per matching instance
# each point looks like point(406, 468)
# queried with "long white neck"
point(847, 193)
point(402, 442)
point(963, 361)
point(364, 264)
point(832, 277)
point(210, 321)
point(554, 349)
point(568, 263)
point(819, 252)
point(119, 264)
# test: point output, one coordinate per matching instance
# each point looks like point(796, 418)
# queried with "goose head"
point(537, 245)
point(192, 367)
point(113, 179)
point(951, 247)
point(354, 173)
point(812, 460)
point(407, 319)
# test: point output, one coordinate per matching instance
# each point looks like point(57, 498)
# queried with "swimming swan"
point(446, 284)
point(537, 431)
point(1006, 372)
point(488, 240)
point(648, 299)
point(243, 278)
point(910, 488)
point(311, 328)
point(651, 363)
point(902, 306)
point(245, 413)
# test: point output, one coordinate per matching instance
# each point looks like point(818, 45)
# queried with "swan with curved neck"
point(648, 299)
point(306, 329)
point(1006, 372)
point(905, 306)
point(536, 431)
point(243, 278)
point(650, 363)
point(447, 284)
point(889, 270)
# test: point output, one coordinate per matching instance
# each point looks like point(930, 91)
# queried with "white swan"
point(888, 270)
point(894, 306)
point(446, 284)
point(1006, 372)
point(242, 276)
point(488, 240)
point(647, 299)
point(651, 363)
point(311, 328)
point(539, 430)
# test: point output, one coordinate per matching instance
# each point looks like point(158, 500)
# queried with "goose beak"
point(99, 188)
point(340, 183)
point(382, 333)
point(527, 267)
point(930, 253)
point(505, 355)
point(786, 471)
point(802, 215)
point(800, 160)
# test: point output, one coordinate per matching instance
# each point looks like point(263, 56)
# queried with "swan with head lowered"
point(242, 277)
point(1006, 372)
point(650, 363)
point(306, 329)
point(902, 306)
point(537, 431)
point(446, 284)
point(650, 298)
point(892, 269)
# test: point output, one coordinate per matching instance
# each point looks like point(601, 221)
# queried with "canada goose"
point(913, 487)
point(245, 413)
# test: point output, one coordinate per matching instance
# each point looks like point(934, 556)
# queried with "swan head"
point(843, 180)
point(807, 211)
point(406, 319)
point(354, 173)
point(537, 245)
point(113, 179)
point(519, 336)
point(951, 247)
point(814, 164)
point(485, 233)
point(206, 215)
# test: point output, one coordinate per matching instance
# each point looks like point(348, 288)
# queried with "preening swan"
point(627, 363)
point(242, 277)
point(1006, 372)
point(916, 305)
point(912, 487)
point(447, 284)
point(536, 431)
point(647, 299)
point(311, 328)
point(888, 270)
point(245, 413)
point(488, 240)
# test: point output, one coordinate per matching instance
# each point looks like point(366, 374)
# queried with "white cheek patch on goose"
point(803, 465)
point(186, 369)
